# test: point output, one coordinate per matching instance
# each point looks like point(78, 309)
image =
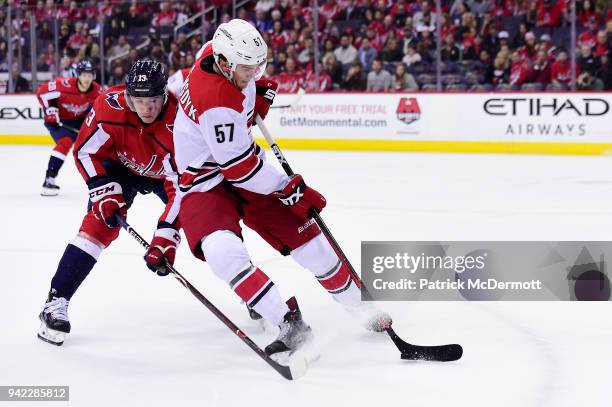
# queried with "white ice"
point(143, 340)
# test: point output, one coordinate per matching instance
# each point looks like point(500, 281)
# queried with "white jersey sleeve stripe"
point(90, 147)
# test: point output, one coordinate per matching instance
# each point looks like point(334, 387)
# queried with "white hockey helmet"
point(240, 44)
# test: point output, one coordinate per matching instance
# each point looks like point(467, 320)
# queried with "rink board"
point(529, 123)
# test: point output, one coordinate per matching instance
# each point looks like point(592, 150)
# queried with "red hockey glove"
point(52, 115)
point(266, 91)
point(107, 201)
point(163, 247)
point(301, 198)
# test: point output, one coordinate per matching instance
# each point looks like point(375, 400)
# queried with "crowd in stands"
point(364, 45)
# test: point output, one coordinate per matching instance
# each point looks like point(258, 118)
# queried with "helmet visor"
point(251, 71)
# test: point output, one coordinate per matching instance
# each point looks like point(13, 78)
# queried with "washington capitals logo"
point(113, 100)
point(75, 109)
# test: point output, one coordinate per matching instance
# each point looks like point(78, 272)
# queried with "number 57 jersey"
point(212, 137)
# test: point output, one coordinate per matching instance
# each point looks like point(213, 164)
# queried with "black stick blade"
point(441, 353)
point(438, 353)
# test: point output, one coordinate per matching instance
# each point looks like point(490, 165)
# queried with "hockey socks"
point(78, 260)
point(229, 260)
point(58, 156)
point(318, 256)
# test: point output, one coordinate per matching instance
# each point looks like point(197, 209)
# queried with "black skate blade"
point(42, 338)
point(437, 353)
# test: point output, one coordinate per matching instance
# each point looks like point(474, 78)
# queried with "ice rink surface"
point(142, 340)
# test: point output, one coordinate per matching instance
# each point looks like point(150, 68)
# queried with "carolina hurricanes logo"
point(77, 110)
point(408, 110)
point(113, 100)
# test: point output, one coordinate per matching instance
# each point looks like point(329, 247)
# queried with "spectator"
point(330, 10)
point(589, 37)
point(114, 28)
point(425, 19)
point(498, 73)
point(278, 36)
point(75, 11)
point(345, 53)
point(76, 40)
point(89, 50)
point(450, 51)
point(412, 57)
point(264, 5)
point(561, 70)
point(528, 51)
point(43, 32)
point(587, 61)
point(270, 73)
point(605, 72)
point(479, 7)
point(306, 55)
point(541, 70)
point(547, 45)
point(134, 18)
point(291, 78)
point(366, 54)
point(402, 80)
point(519, 70)
point(333, 67)
point(121, 47)
point(91, 10)
point(21, 84)
point(118, 76)
point(42, 12)
point(602, 45)
point(549, 13)
point(379, 80)
point(391, 52)
point(355, 78)
point(165, 17)
point(64, 35)
point(325, 82)
point(353, 11)
point(262, 22)
point(586, 13)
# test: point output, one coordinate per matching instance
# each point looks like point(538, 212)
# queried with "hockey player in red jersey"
point(124, 148)
point(224, 178)
point(65, 103)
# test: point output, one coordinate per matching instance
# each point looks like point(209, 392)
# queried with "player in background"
point(176, 80)
point(65, 103)
point(224, 178)
point(124, 148)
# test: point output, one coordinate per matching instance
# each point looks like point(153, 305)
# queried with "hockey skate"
point(49, 188)
point(369, 316)
point(294, 334)
point(54, 320)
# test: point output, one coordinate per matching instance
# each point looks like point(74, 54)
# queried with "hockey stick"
point(295, 101)
point(441, 353)
point(70, 128)
point(294, 370)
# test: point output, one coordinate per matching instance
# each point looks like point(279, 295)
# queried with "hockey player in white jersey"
point(225, 178)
